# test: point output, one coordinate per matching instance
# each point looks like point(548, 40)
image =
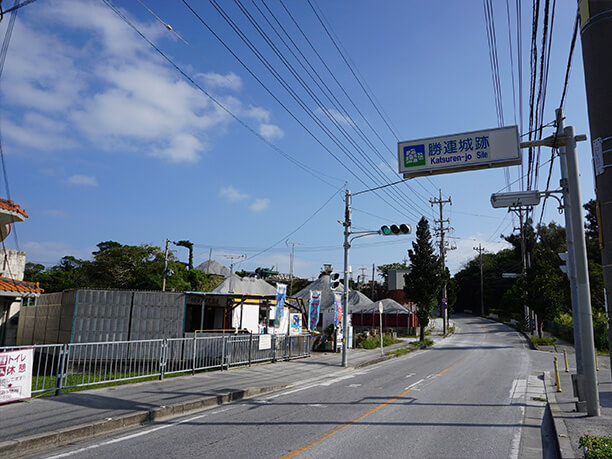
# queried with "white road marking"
point(317, 405)
point(127, 437)
point(353, 385)
point(292, 391)
point(518, 389)
point(410, 375)
point(515, 447)
point(221, 410)
point(414, 384)
point(332, 381)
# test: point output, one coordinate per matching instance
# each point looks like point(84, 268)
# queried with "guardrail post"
point(162, 358)
point(250, 348)
point(274, 343)
point(193, 363)
point(61, 365)
point(222, 352)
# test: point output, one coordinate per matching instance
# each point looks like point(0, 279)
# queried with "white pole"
point(582, 275)
point(380, 313)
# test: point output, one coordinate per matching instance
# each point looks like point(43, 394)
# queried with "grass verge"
point(596, 447)
point(544, 341)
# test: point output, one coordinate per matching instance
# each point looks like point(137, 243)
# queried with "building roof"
point(356, 299)
point(12, 287)
point(248, 285)
point(7, 204)
point(213, 267)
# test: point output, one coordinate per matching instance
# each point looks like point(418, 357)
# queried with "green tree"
point(423, 282)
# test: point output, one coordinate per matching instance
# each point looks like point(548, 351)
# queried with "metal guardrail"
point(66, 366)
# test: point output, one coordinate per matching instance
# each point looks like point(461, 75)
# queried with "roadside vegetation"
point(546, 286)
point(596, 447)
point(124, 267)
point(543, 341)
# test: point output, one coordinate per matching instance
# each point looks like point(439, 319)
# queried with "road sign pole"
point(347, 246)
point(582, 275)
point(569, 238)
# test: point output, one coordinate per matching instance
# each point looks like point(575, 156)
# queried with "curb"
point(19, 446)
point(563, 443)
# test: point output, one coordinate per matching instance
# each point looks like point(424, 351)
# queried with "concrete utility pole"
point(373, 267)
point(363, 275)
point(569, 238)
point(480, 249)
point(347, 246)
point(440, 231)
point(568, 140)
point(519, 211)
point(292, 244)
point(165, 266)
point(233, 260)
point(596, 36)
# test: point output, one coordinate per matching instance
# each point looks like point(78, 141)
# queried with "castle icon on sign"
point(414, 155)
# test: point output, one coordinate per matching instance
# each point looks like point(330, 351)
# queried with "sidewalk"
point(45, 422)
point(569, 424)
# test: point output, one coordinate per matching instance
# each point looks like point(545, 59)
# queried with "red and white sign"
point(16, 375)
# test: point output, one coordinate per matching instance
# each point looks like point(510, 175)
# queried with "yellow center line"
point(341, 427)
point(295, 452)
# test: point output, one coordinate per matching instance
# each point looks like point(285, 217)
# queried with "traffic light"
point(395, 230)
point(334, 280)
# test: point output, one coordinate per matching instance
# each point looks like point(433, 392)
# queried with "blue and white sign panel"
point(459, 152)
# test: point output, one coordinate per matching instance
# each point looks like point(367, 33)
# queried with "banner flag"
point(281, 294)
point(313, 310)
point(338, 311)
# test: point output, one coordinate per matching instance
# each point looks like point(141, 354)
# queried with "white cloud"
point(182, 148)
point(217, 80)
point(259, 204)
point(107, 87)
point(85, 180)
point(271, 131)
point(335, 115)
point(232, 194)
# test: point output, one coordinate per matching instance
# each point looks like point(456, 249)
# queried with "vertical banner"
point(16, 375)
point(338, 309)
point(295, 327)
point(281, 294)
point(313, 310)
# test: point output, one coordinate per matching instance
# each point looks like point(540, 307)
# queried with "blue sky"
point(105, 140)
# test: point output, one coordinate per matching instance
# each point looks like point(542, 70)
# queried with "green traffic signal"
point(395, 230)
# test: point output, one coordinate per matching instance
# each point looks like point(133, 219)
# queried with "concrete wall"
point(88, 315)
point(395, 278)
point(158, 315)
point(13, 264)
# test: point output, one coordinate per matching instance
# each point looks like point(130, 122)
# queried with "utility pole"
point(372, 282)
point(209, 260)
point(363, 276)
point(569, 139)
point(292, 244)
point(347, 246)
point(596, 36)
point(165, 266)
point(440, 231)
point(480, 249)
point(569, 238)
point(233, 260)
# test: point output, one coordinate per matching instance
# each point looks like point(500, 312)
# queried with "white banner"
point(265, 342)
point(16, 375)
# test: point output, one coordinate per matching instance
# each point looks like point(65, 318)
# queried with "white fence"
point(66, 366)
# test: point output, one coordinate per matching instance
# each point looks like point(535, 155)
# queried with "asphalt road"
point(466, 397)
